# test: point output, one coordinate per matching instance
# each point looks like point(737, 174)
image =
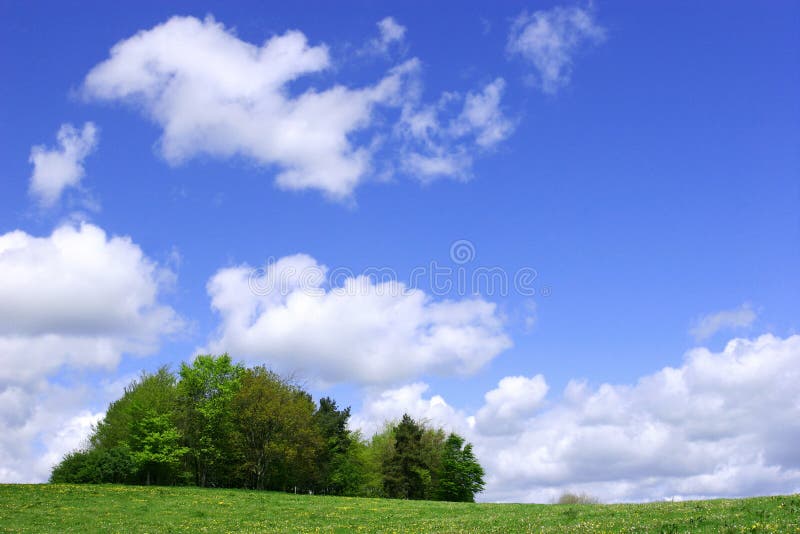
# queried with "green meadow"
point(110, 508)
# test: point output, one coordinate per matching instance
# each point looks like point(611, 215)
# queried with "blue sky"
point(652, 183)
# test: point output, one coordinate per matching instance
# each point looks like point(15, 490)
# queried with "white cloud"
point(391, 33)
point(708, 325)
point(437, 147)
point(722, 424)
point(58, 168)
point(530, 309)
point(42, 421)
point(65, 435)
point(215, 94)
point(550, 39)
point(360, 331)
point(381, 407)
point(438, 164)
point(77, 298)
point(514, 400)
point(483, 117)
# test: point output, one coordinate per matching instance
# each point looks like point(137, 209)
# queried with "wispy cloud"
point(708, 325)
point(392, 33)
point(550, 39)
point(438, 147)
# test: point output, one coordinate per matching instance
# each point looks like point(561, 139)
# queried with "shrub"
point(577, 498)
point(95, 466)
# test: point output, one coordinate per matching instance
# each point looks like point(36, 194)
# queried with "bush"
point(577, 498)
point(95, 466)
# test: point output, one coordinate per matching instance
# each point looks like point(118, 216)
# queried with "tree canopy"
point(219, 424)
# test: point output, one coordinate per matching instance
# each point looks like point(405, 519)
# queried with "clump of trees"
point(219, 424)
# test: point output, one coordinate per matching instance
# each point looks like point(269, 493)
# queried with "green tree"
point(153, 437)
point(158, 452)
point(376, 455)
point(277, 437)
point(431, 449)
point(205, 392)
point(150, 393)
point(353, 472)
point(461, 476)
point(334, 454)
point(148, 405)
point(405, 474)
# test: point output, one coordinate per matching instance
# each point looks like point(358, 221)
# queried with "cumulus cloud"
point(43, 421)
point(77, 298)
point(708, 325)
point(721, 424)
point(550, 39)
point(55, 169)
point(359, 331)
point(382, 407)
point(514, 400)
point(213, 93)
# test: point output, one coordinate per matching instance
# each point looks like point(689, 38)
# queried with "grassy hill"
point(64, 508)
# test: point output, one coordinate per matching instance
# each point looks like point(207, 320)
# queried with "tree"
point(461, 476)
point(376, 455)
point(405, 474)
point(157, 448)
point(205, 392)
point(141, 425)
point(332, 425)
point(153, 437)
point(150, 393)
point(431, 449)
point(277, 437)
point(351, 473)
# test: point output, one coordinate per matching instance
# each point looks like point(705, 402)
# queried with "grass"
point(69, 508)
